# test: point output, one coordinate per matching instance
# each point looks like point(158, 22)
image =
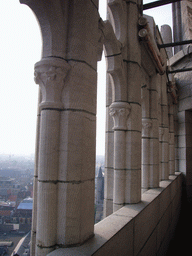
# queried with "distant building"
point(99, 196)
point(8, 187)
point(16, 218)
point(24, 211)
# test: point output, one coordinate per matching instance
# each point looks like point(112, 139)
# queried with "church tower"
point(99, 196)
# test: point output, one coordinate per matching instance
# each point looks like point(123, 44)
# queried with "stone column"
point(119, 111)
point(146, 126)
point(49, 74)
point(66, 166)
point(154, 133)
point(109, 153)
point(35, 181)
point(177, 25)
point(176, 131)
point(146, 151)
point(164, 131)
point(166, 34)
point(171, 139)
point(150, 140)
point(132, 63)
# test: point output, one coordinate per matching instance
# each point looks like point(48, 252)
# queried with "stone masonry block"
point(171, 138)
point(182, 141)
point(145, 176)
point(165, 152)
point(185, 104)
point(145, 102)
point(153, 104)
point(164, 115)
point(154, 176)
point(181, 153)
point(46, 223)
point(154, 151)
point(164, 170)
point(175, 186)
point(165, 197)
point(108, 90)
point(154, 132)
point(119, 150)
point(83, 33)
point(144, 226)
point(163, 90)
point(182, 166)
point(134, 120)
point(181, 117)
point(133, 46)
point(133, 150)
point(108, 207)
point(150, 247)
point(76, 216)
point(132, 186)
point(163, 226)
point(80, 89)
point(145, 151)
point(109, 150)
point(49, 142)
point(125, 238)
point(77, 146)
point(109, 180)
point(119, 187)
point(171, 152)
point(109, 121)
point(134, 88)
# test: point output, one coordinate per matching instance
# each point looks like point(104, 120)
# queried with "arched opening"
point(20, 49)
point(100, 135)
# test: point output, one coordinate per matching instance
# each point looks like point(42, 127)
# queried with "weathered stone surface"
point(76, 217)
point(139, 131)
point(77, 151)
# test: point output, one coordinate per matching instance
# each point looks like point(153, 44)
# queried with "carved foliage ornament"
point(50, 74)
point(120, 112)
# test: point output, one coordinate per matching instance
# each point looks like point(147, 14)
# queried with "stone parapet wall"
point(145, 228)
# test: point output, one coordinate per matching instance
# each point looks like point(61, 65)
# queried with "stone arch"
point(53, 27)
point(114, 60)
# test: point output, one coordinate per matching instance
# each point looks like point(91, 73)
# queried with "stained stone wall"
point(186, 14)
point(182, 60)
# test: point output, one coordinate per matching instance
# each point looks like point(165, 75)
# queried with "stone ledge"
point(181, 54)
point(118, 231)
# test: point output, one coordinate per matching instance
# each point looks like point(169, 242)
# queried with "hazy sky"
point(20, 42)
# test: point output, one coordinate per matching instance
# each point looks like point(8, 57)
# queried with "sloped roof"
point(26, 204)
point(100, 173)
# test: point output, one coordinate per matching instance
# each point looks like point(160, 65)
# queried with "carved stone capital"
point(120, 112)
point(146, 127)
point(50, 74)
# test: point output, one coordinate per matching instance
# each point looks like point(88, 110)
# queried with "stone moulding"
point(52, 19)
point(50, 74)
point(120, 112)
point(114, 59)
point(119, 16)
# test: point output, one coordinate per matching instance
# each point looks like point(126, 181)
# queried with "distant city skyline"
point(20, 50)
